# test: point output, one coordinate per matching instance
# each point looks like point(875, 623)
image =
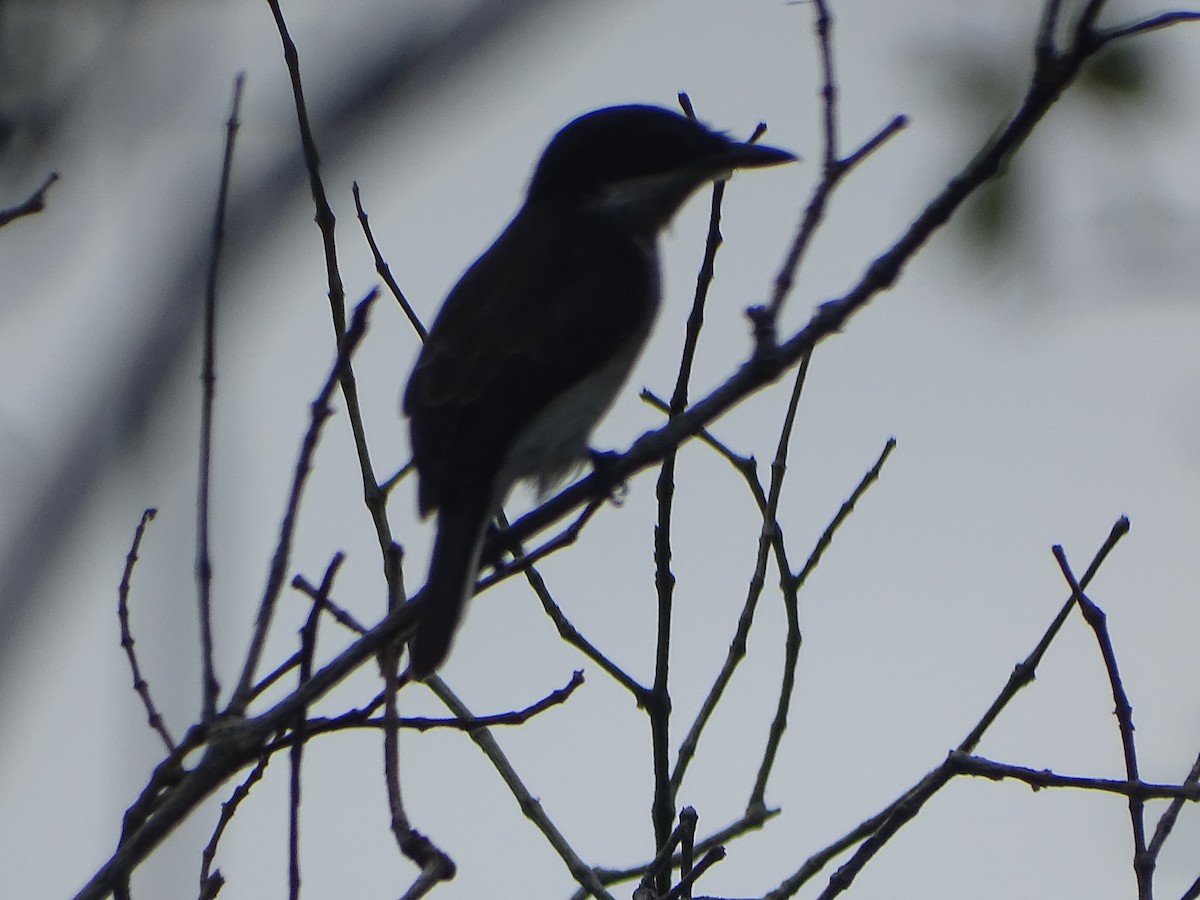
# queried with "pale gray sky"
point(1034, 402)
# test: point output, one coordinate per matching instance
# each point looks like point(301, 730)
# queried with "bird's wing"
point(537, 313)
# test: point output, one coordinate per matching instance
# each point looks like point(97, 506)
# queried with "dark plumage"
point(532, 345)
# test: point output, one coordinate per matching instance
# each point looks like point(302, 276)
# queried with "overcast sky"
point(1038, 389)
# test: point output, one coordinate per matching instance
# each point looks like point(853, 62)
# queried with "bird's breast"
point(555, 441)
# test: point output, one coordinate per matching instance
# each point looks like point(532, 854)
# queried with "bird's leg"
point(604, 465)
point(494, 548)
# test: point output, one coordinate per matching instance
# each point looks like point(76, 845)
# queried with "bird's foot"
point(494, 548)
point(604, 465)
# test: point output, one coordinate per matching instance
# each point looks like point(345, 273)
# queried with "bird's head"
point(639, 162)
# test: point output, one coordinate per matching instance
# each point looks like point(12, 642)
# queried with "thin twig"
point(320, 412)
point(1155, 23)
point(211, 887)
point(211, 688)
point(308, 650)
point(688, 820)
point(833, 168)
point(530, 805)
point(277, 673)
point(1143, 862)
point(389, 664)
point(324, 213)
point(524, 562)
point(407, 469)
point(384, 270)
point(228, 810)
point(35, 204)
point(362, 718)
point(153, 716)
point(657, 702)
point(873, 833)
point(1046, 44)
point(823, 29)
point(885, 134)
point(695, 320)
point(567, 631)
point(1167, 821)
point(769, 533)
point(750, 821)
point(435, 866)
point(373, 496)
point(1023, 672)
point(340, 615)
point(1037, 779)
point(662, 862)
point(843, 513)
point(684, 888)
point(792, 648)
point(747, 466)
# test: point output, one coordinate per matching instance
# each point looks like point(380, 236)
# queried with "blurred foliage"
point(989, 220)
point(50, 49)
point(1123, 76)
point(1123, 73)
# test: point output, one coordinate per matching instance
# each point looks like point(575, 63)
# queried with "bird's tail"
point(453, 568)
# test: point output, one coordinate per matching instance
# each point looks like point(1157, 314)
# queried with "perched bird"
point(532, 345)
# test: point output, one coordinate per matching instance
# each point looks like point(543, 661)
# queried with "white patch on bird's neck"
point(648, 201)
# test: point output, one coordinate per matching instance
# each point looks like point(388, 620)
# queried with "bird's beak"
point(755, 156)
point(749, 156)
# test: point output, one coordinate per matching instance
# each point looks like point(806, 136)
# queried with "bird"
point(532, 345)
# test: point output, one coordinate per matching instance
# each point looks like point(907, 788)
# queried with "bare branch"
point(153, 716)
point(385, 271)
point(791, 590)
point(584, 874)
point(823, 29)
point(373, 496)
point(1143, 862)
point(966, 764)
point(524, 562)
point(683, 890)
point(1046, 45)
point(1155, 23)
point(210, 688)
point(657, 702)
point(877, 830)
point(770, 535)
point(833, 169)
point(362, 718)
point(228, 811)
point(1167, 822)
point(340, 615)
point(320, 412)
point(843, 513)
point(308, 650)
point(751, 821)
point(35, 204)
